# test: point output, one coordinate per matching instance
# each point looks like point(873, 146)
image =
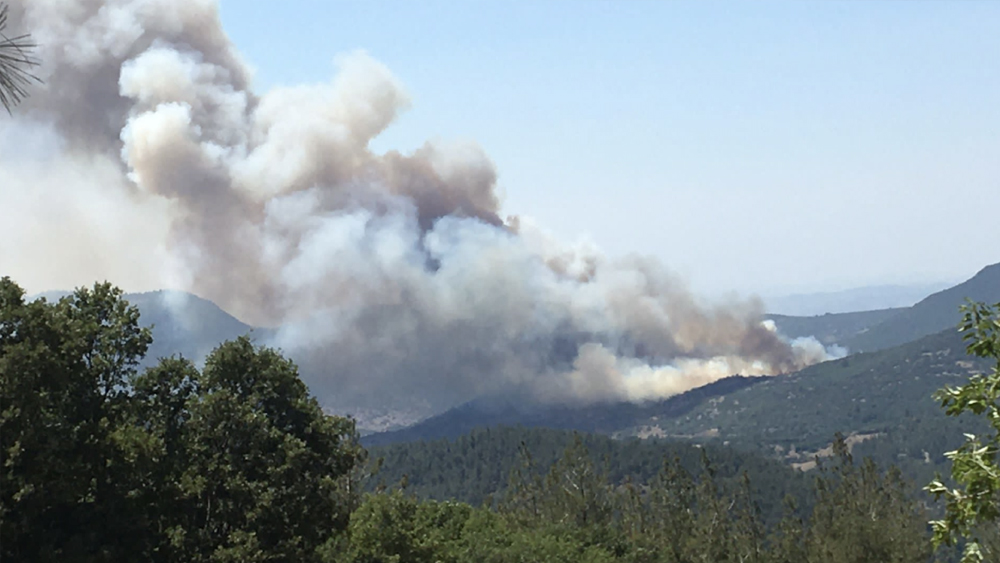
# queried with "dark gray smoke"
point(147, 159)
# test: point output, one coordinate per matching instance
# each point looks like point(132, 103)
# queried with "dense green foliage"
point(99, 463)
point(475, 467)
point(576, 512)
point(973, 509)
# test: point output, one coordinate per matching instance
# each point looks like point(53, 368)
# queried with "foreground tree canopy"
point(236, 462)
point(973, 508)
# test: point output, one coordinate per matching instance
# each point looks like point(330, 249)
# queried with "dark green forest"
point(102, 461)
point(475, 467)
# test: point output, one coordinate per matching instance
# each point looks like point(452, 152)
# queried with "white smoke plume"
point(147, 159)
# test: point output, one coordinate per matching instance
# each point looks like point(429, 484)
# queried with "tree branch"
point(16, 60)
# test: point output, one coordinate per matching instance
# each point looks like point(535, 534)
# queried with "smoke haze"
point(147, 159)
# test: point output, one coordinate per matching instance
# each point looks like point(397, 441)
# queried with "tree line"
point(475, 468)
point(575, 513)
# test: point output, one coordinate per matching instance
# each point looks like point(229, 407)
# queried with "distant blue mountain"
point(183, 324)
point(869, 298)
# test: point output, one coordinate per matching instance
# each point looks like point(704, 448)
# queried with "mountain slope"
point(884, 397)
point(832, 328)
point(602, 418)
point(182, 323)
point(882, 400)
point(185, 324)
point(937, 312)
point(868, 393)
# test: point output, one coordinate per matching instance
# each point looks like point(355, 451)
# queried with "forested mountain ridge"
point(863, 393)
point(881, 400)
point(831, 328)
point(885, 399)
point(937, 312)
point(186, 325)
point(605, 418)
point(868, 331)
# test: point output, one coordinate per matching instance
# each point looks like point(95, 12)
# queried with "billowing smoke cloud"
point(392, 277)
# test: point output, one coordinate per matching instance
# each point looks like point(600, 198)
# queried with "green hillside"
point(935, 313)
point(882, 400)
point(883, 397)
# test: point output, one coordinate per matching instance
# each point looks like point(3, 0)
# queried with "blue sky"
point(765, 146)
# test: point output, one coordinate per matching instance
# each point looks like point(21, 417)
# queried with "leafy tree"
point(99, 463)
point(788, 539)
point(671, 500)
point(575, 492)
point(64, 374)
point(749, 536)
point(863, 514)
point(15, 61)
point(264, 467)
point(524, 489)
point(158, 439)
point(395, 527)
point(972, 510)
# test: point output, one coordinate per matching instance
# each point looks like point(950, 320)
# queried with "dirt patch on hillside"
point(810, 461)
